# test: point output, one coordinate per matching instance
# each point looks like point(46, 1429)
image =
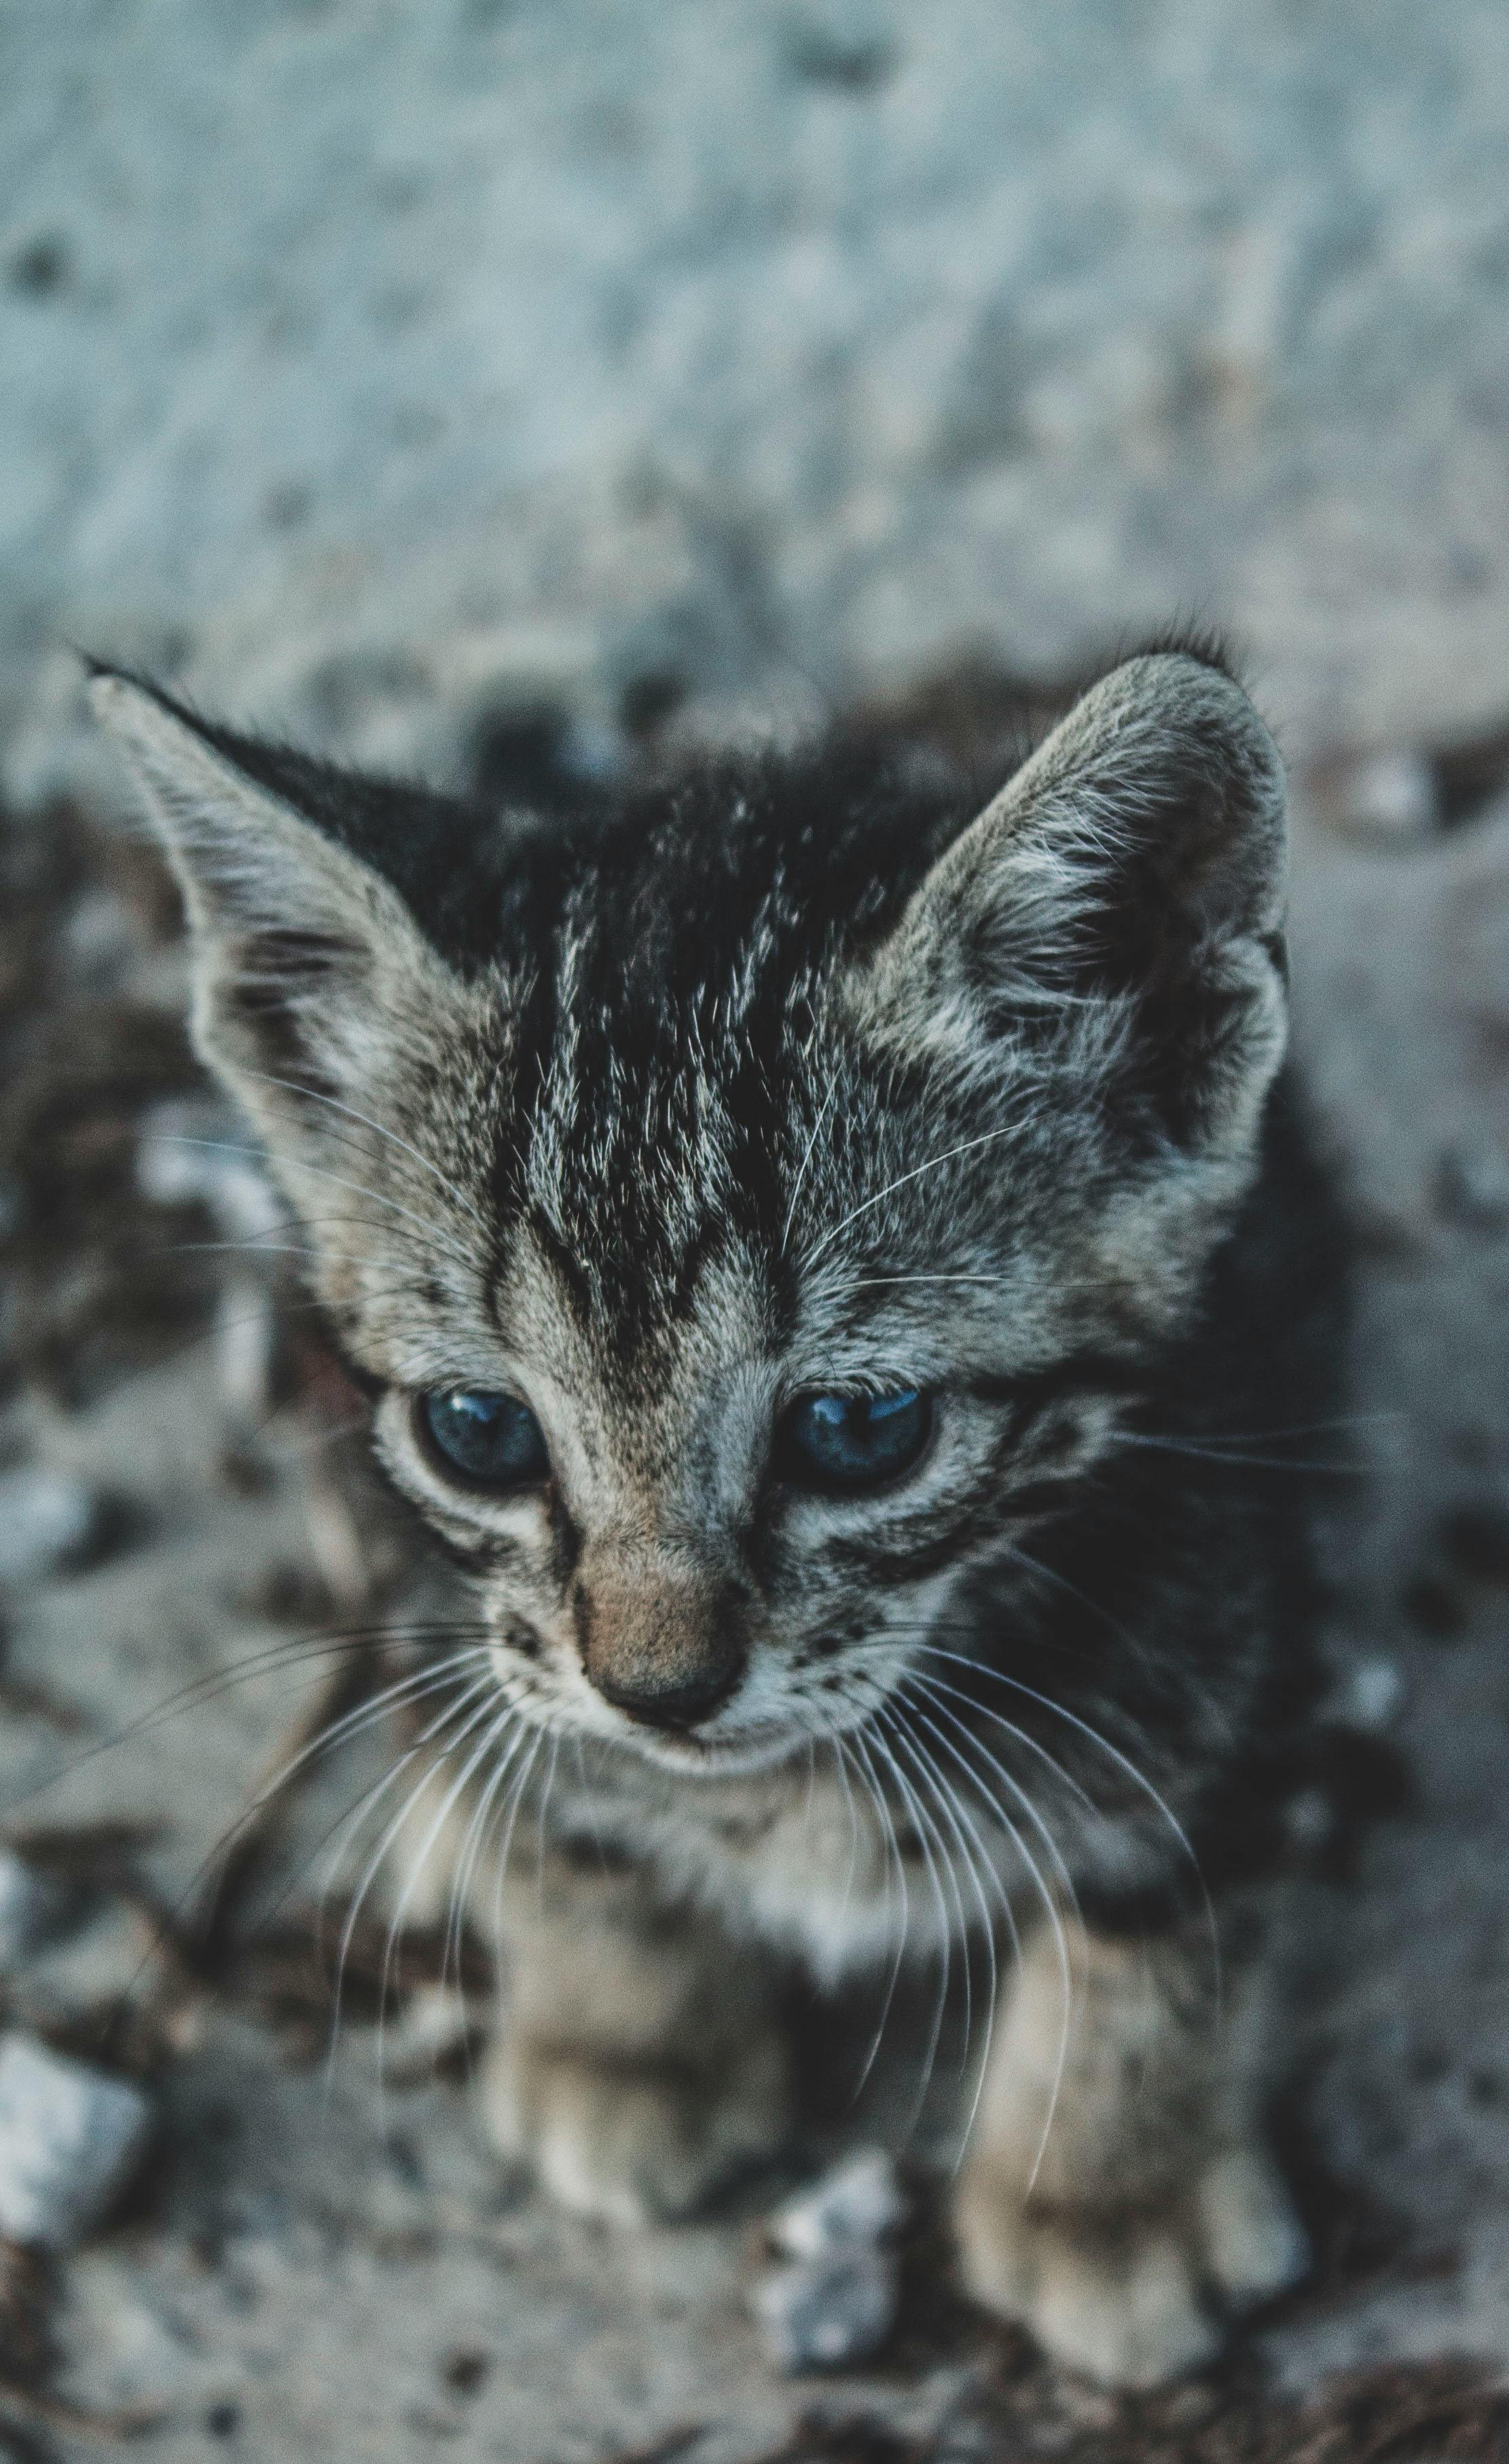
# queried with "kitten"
point(825, 1258)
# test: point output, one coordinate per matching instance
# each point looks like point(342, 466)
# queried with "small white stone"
point(1310, 1820)
point(825, 2313)
point(1472, 1185)
point(1372, 1694)
point(49, 1520)
point(857, 2202)
point(1391, 794)
point(69, 2137)
point(31, 1905)
point(436, 2022)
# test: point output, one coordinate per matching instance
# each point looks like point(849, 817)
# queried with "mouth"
point(688, 1751)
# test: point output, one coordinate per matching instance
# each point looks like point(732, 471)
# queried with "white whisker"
point(893, 1865)
point(957, 1818)
point(802, 1168)
point(314, 1095)
point(495, 1727)
point(433, 1232)
point(966, 1145)
point(1055, 1923)
point(926, 1837)
point(1123, 1764)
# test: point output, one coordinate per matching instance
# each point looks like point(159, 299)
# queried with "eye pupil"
point(852, 1443)
point(486, 1439)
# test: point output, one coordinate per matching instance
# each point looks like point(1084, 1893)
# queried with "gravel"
point(381, 372)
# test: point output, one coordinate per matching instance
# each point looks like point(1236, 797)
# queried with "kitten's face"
point(730, 1535)
point(752, 1217)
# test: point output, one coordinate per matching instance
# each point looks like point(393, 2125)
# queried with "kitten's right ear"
point(1111, 925)
point(310, 974)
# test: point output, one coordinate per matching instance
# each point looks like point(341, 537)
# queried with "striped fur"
point(817, 1073)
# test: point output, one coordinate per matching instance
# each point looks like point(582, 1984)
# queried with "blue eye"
point(492, 1441)
point(853, 1442)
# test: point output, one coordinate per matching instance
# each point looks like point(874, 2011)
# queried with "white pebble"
point(69, 2137)
point(31, 1905)
point(49, 1520)
point(823, 2313)
point(1310, 1820)
point(1473, 1184)
point(860, 2201)
point(1371, 1695)
point(1391, 794)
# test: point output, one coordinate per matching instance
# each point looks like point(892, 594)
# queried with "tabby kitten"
point(824, 1257)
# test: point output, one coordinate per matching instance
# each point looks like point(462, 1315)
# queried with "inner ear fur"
point(1115, 912)
point(308, 968)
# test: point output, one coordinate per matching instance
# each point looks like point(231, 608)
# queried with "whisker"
point(539, 1821)
point(1071, 1591)
point(1124, 1765)
point(433, 1233)
point(493, 1728)
point(874, 1283)
point(802, 1168)
point(926, 1837)
point(206, 1689)
point(313, 1095)
point(904, 1743)
point(966, 1145)
point(1224, 1454)
point(1021, 1736)
point(482, 1687)
point(933, 1688)
point(1055, 1922)
point(223, 1849)
point(515, 1799)
point(893, 1864)
point(841, 1766)
point(957, 1818)
point(471, 1851)
point(1342, 1425)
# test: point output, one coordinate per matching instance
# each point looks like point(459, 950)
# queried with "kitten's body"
point(783, 1080)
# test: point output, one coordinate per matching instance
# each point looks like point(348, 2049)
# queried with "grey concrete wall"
point(366, 364)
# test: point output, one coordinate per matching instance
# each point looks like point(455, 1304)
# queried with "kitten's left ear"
point(1113, 920)
point(311, 976)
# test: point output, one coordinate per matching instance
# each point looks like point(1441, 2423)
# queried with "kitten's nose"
point(659, 1643)
point(676, 1705)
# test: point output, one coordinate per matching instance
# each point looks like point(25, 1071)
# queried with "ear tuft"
point(1111, 925)
point(308, 967)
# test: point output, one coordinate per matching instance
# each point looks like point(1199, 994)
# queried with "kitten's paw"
point(1118, 2300)
point(1133, 2300)
point(632, 2142)
point(1254, 2243)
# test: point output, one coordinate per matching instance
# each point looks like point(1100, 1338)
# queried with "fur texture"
point(782, 1078)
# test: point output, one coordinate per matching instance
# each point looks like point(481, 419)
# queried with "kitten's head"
point(751, 1203)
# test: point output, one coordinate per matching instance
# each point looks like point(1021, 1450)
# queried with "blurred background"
point(500, 388)
point(369, 367)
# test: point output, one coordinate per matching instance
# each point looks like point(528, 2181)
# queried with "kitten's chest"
point(816, 1867)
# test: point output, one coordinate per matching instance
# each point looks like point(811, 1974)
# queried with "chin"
point(713, 1757)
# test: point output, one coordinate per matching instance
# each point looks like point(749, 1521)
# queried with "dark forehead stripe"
point(694, 913)
point(669, 949)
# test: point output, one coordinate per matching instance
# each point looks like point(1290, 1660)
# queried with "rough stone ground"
point(447, 384)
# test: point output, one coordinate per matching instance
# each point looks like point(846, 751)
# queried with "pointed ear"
point(1113, 920)
point(310, 974)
